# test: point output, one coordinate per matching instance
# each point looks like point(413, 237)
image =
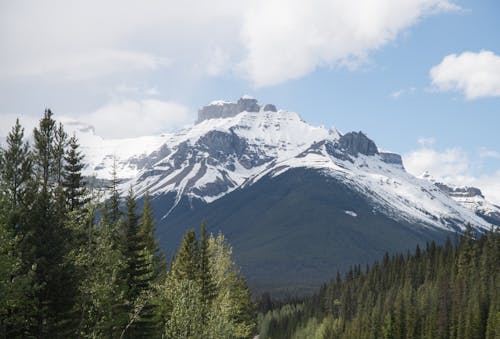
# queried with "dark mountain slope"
point(291, 232)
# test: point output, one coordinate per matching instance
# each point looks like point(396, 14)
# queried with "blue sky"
point(364, 67)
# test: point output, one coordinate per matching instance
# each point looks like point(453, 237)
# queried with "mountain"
point(297, 202)
point(471, 198)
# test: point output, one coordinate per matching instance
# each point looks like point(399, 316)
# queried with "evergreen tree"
point(14, 281)
point(45, 242)
point(113, 207)
point(140, 273)
point(205, 278)
point(15, 174)
point(147, 232)
point(186, 262)
point(73, 183)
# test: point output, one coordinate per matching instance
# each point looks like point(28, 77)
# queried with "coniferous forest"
point(442, 292)
point(77, 262)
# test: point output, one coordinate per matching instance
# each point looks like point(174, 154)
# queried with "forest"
point(449, 291)
point(79, 261)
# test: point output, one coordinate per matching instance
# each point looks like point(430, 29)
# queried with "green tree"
point(231, 308)
point(45, 243)
point(15, 175)
point(73, 182)
point(186, 261)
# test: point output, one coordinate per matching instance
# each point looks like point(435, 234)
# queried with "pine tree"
point(14, 281)
point(205, 278)
point(45, 242)
point(15, 179)
point(73, 183)
point(114, 212)
point(139, 274)
point(186, 261)
point(15, 174)
point(147, 231)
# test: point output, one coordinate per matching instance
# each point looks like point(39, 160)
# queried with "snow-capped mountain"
point(234, 144)
point(297, 202)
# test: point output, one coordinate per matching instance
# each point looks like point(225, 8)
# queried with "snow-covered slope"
point(102, 154)
point(469, 197)
point(233, 145)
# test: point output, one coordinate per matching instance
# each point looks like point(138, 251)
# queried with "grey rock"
point(466, 192)
point(248, 105)
point(391, 158)
point(355, 143)
point(270, 108)
point(227, 109)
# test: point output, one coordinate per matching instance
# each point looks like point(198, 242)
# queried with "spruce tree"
point(205, 278)
point(186, 264)
point(15, 174)
point(147, 231)
point(15, 179)
point(46, 240)
point(111, 211)
point(139, 274)
point(14, 279)
point(73, 183)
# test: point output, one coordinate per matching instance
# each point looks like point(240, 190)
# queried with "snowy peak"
point(218, 155)
point(225, 109)
point(236, 144)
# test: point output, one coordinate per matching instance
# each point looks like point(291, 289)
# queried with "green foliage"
point(442, 292)
point(73, 183)
point(205, 277)
point(64, 274)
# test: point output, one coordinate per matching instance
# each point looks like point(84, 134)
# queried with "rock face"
point(357, 142)
point(391, 158)
point(223, 109)
point(465, 192)
point(269, 108)
point(472, 198)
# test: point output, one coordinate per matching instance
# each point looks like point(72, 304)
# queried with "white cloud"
point(7, 121)
point(130, 118)
point(120, 119)
point(453, 166)
point(266, 41)
point(82, 40)
point(488, 153)
point(452, 162)
point(397, 94)
point(476, 75)
point(86, 65)
point(490, 186)
point(289, 39)
point(426, 141)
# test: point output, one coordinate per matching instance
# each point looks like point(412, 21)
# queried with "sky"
point(419, 77)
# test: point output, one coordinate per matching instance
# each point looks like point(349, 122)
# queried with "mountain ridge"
point(219, 154)
point(306, 199)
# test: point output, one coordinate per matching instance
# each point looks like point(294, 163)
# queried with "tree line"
point(442, 292)
point(76, 265)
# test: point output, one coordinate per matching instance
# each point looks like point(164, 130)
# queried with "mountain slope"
point(297, 229)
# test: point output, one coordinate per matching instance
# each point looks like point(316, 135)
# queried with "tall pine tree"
point(73, 182)
point(46, 242)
